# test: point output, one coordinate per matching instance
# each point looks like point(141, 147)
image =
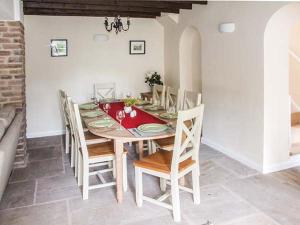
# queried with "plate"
point(142, 102)
point(102, 123)
point(88, 106)
point(153, 107)
point(152, 128)
point(169, 116)
point(92, 114)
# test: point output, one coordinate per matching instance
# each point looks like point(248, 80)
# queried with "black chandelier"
point(117, 25)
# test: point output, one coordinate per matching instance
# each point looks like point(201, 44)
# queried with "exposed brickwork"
point(12, 76)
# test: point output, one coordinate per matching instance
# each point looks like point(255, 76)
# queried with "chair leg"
point(76, 157)
point(67, 139)
point(149, 143)
point(125, 182)
point(114, 169)
point(163, 184)
point(85, 188)
point(196, 185)
point(175, 199)
point(72, 153)
point(79, 175)
point(138, 187)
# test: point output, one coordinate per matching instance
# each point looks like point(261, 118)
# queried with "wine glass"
point(106, 107)
point(120, 115)
point(128, 94)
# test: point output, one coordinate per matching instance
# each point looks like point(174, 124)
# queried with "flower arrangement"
point(128, 102)
point(153, 78)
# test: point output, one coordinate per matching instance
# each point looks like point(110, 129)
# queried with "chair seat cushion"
point(102, 149)
point(166, 143)
point(7, 114)
point(93, 139)
point(161, 161)
point(2, 130)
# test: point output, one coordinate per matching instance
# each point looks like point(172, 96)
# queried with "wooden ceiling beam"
point(142, 3)
point(38, 5)
point(92, 13)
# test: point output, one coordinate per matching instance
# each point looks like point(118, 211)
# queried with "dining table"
point(128, 132)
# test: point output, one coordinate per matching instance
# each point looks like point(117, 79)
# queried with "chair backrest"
point(79, 134)
point(189, 146)
point(191, 99)
point(105, 91)
point(70, 115)
point(62, 101)
point(159, 94)
point(174, 98)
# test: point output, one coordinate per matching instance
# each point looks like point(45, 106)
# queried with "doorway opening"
point(294, 88)
point(190, 60)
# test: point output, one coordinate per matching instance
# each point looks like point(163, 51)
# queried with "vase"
point(133, 113)
point(127, 109)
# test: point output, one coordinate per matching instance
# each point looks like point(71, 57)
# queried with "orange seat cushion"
point(102, 149)
point(161, 161)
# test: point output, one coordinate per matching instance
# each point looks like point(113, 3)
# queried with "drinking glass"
point(120, 115)
point(106, 107)
point(128, 94)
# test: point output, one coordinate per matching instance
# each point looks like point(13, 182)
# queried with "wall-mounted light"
point(100, 37)
point(226, 27)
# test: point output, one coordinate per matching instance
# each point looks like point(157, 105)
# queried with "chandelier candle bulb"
point(117, 24)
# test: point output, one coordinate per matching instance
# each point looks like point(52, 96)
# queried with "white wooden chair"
point(191, 99)
point(89, 137)
point(187, 100)
point(159, 95)
point(95, 156)
point(174, 98)
point(170, 166)
point(104, 91)
point(62, 98)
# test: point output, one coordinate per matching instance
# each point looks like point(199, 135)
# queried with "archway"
point(190, 60)
point(277, 110)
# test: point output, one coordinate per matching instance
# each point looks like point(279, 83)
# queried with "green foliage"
point(130, 101)
point(153, 79)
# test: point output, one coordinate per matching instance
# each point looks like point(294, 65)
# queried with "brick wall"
point(12, 76)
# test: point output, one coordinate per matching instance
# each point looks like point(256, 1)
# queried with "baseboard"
point(45, 134)
point(232, 154)
point(292, 162)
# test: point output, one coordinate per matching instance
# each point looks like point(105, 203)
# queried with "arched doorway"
point(277, 106)
point(190, 60)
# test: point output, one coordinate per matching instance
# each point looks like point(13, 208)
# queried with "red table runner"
point(141, 117)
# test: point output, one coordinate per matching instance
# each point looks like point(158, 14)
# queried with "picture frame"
point(59, 47)
point(137, 47)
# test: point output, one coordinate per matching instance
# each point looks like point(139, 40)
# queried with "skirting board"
point(232, 154)
point(292, 162)
point(45, 134)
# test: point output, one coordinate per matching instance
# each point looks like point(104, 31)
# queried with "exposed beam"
point(38, 5)
point(142, 3)
point(92, 13)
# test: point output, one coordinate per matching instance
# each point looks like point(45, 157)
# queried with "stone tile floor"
point(46, 193)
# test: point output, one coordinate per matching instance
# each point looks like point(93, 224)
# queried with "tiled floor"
point(45, 193)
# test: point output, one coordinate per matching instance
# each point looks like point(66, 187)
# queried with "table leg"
point(141, 149)
point(118, 147)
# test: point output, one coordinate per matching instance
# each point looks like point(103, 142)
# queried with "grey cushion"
point(7, 114)
point(2, 130)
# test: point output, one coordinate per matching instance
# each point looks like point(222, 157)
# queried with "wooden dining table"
point(125, 134)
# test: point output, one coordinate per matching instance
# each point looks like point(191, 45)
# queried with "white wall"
point(88, 62)
point(11, 10)
point(294, 63)
point(232, 75)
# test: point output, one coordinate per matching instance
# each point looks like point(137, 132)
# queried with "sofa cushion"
point(7, 114)
point(2, 130)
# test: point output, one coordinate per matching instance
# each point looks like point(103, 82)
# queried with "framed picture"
point(137, 47)
point(59, 47)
